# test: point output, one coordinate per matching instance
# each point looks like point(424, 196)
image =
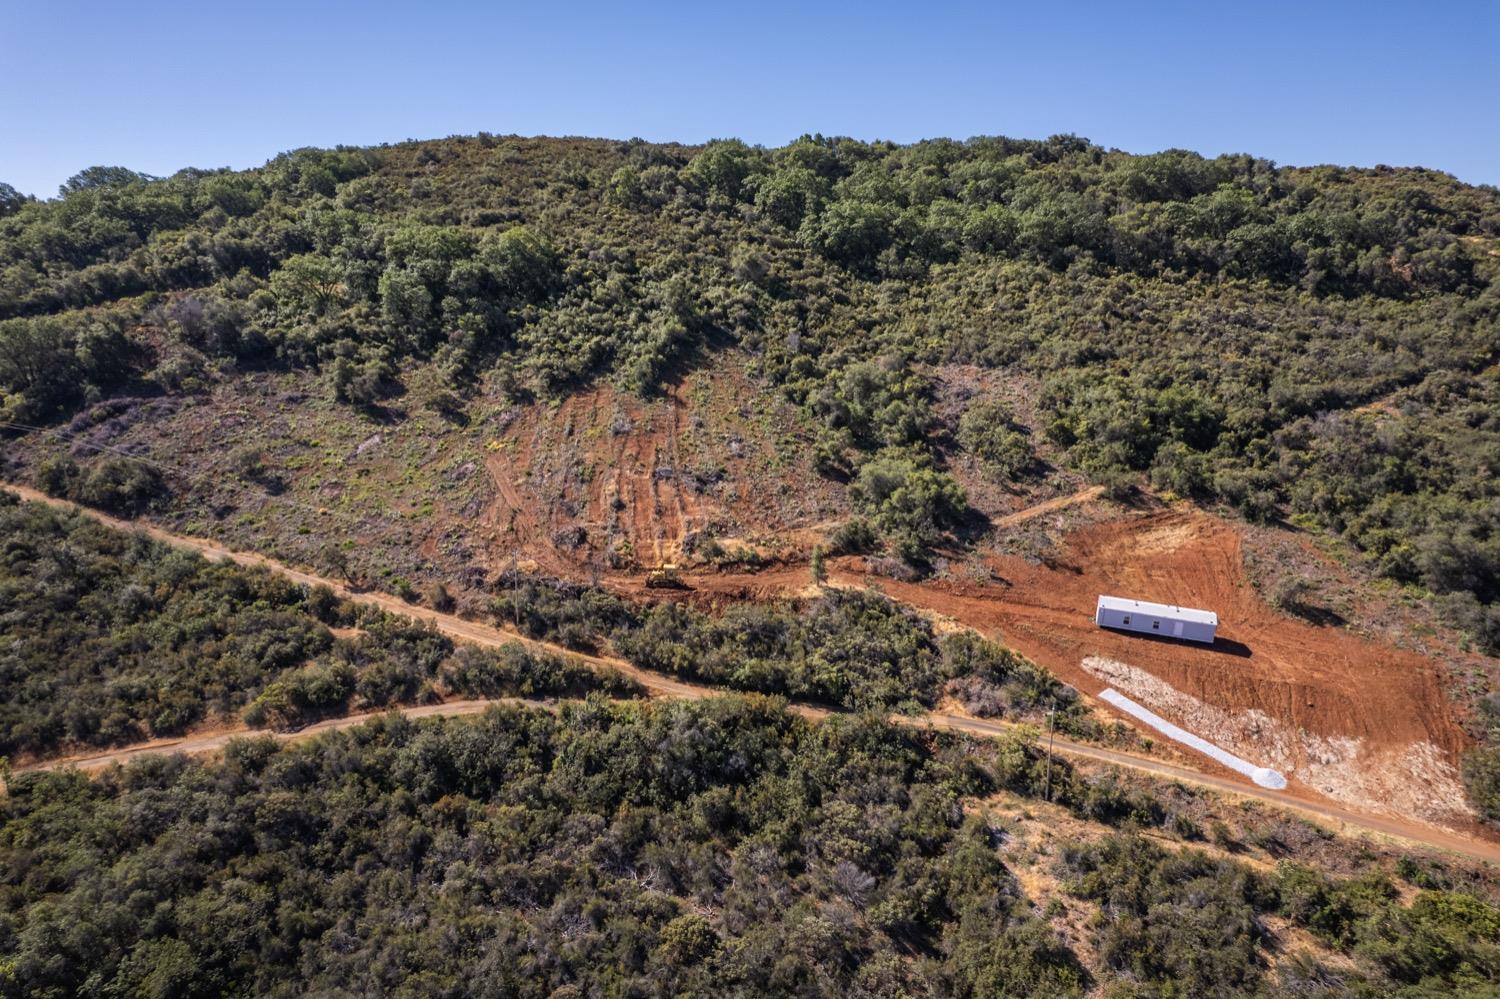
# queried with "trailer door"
point(1177, 629)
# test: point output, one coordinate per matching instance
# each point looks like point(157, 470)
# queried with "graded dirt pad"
point(1314, 686)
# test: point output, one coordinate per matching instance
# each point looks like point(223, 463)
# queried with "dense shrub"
point(111, 638)
point(846, 647)
point(988, 432)
point(1481, 765)
point(851, 648)
point(1181, 923)
point(605, 850)
point(913, 503)
point(685, 848)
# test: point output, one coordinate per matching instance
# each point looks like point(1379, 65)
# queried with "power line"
point(79, 439)
point(192, 478)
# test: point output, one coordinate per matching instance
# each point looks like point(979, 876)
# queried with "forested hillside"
point(1317, 343)
point(522, 379)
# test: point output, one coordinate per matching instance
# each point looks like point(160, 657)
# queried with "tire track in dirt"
point(1050, 506)
point(647, 473)
point(667, 687)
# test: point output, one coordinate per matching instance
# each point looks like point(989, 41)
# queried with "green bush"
point(911, 503)
point(989, 432)
point(119, 485)
point(1481, 764)
point(853, 537)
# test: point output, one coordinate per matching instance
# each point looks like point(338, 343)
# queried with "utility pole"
point(1051, 714)
point(514, 581)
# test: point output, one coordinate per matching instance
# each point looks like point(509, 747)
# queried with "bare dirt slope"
point(1369, 704)
point(606, 480)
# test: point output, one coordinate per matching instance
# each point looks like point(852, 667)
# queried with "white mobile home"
point(1156, 619)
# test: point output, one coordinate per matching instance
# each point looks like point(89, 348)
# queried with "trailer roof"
point(1160, 610)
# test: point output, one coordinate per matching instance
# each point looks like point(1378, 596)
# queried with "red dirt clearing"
point(1325, 682)
point(1320, 689)
point(606, 479)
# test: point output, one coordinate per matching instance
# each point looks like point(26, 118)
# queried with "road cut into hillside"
point(1298, 797)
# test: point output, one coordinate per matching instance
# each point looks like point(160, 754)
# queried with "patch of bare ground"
point(1333, 685)
point(1030, 834)
point(1288, 943)
point(1411, 780)
point(605, 481)
point(1319, 579)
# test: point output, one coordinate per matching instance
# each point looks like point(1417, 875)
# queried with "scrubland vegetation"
point(847, 648)
point(1313, 341)
point(722, 847)
point(1318, 344)
point(108, 638)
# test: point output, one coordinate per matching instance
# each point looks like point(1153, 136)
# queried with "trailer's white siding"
point(1156, 619)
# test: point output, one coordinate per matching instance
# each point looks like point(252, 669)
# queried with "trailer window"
point(1155, 625)
point(1127, 619)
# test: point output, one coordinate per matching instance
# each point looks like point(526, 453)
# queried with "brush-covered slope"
point(594, 355)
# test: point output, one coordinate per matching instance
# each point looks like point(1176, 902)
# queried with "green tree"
point(308, 284)
point(95, 177)
point(913, 503)
point(11, 200)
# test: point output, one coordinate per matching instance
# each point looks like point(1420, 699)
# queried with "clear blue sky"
point(160, 86)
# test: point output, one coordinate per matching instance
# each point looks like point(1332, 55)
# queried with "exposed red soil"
point(1050, 506)
point(1323, 681)
point(615, 472)
point(640, 478)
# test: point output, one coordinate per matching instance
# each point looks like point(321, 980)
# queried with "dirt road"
point(217, 740)
point(1340, 818)
point(1050, 506)
point(662, 686)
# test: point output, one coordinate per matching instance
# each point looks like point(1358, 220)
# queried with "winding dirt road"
point(659, 685)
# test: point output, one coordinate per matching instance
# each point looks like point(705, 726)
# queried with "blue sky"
point(160, 86)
